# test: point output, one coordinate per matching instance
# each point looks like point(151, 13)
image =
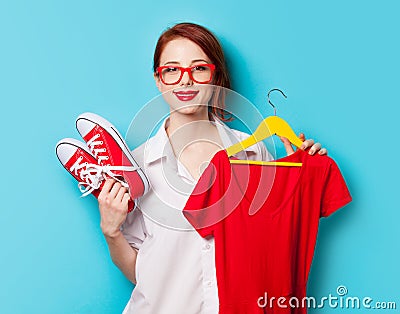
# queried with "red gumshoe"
point(82, 165)
point(109, 148)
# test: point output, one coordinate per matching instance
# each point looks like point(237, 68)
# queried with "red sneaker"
point(79, 162)
point(82, 165)
point(110, 149)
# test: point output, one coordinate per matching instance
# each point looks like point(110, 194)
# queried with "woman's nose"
point(186, 80)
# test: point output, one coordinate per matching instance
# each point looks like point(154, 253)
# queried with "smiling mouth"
point(186, 95)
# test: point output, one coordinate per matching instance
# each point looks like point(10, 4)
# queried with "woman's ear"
point(158, 81)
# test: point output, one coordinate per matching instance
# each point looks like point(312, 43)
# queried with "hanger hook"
point(273, 106)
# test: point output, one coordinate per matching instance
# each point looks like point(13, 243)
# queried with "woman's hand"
point(113, 205)
point(315, 147)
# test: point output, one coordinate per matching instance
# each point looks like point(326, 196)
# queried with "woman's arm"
point(123, 255)
point(113, 205)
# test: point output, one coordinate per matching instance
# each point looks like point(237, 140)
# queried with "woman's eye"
point(200, 68)
point(171, 70)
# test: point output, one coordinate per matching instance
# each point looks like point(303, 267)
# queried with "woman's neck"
point(191, 131)
point(193, 124)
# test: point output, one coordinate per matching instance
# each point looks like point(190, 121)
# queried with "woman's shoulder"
point(138, 153)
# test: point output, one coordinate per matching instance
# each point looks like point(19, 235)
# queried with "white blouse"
point(175, 267)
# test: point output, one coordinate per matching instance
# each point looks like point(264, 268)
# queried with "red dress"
point(265, 222)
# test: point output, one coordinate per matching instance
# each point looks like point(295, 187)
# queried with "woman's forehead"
point(182, 50)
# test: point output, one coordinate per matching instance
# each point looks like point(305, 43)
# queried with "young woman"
point(172, 266)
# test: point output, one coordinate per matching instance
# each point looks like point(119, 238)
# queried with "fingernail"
point(311, 152)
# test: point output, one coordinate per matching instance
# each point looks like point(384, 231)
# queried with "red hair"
point(207, 41)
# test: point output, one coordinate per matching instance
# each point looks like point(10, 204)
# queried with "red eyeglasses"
point(199, 73)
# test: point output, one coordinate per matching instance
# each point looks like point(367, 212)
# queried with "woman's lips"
point(186, 95)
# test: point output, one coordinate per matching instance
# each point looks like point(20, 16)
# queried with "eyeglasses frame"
point(188, 70)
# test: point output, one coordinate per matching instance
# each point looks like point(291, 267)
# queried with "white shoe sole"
point(67, 147)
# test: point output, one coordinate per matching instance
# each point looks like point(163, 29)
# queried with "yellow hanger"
point(265, 163)
point(268, 127)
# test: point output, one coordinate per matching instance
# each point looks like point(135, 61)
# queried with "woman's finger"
point(121, 193)
point(104, 192)
point(316, 147)
point(107, 186)
point(307, 143)
point(323, 151)
point(288, 145)
point(114, 190)
point(302, 137)
point(125, 199)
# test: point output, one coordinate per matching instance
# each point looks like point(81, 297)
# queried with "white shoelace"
point(92, 143)
point(92, 175)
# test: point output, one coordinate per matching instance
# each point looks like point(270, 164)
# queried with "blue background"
point(338, 62)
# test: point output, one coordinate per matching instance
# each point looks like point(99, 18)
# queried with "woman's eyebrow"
point(200, 60)
point(171, 62)
point(193, 61)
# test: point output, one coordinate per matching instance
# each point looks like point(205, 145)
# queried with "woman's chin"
point(190, 109)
